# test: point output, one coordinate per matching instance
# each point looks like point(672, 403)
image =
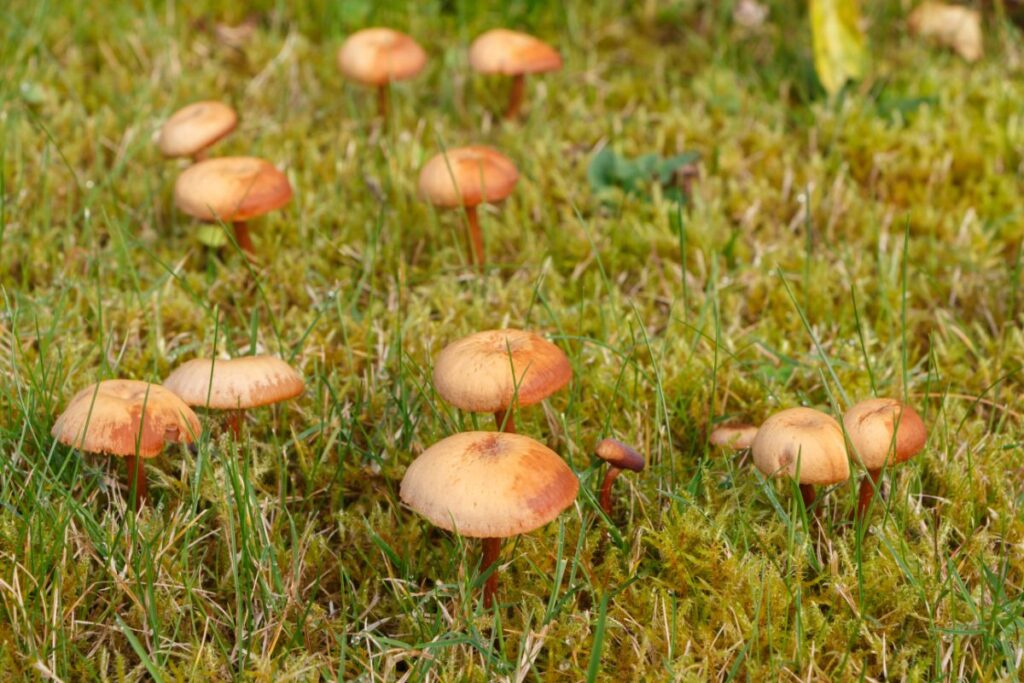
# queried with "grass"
point(831, 250)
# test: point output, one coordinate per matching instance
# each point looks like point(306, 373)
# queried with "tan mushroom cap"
point(501, 51)
point(805, 436)
point(489, 484)
point(467, 176)
point(231, 189)
point(618, 454)
point(237, 384)
point(375, 56)
point(193, 128)
point(111, 416)
point(737, 437)
point(486, 371)
point(870, 425)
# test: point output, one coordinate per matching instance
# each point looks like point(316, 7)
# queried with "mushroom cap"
point(486, 371)
point(193, 128)
point(231, 189)
point(870, 425)
point(237, 384)
point(501, 51)
point(618, 454)
point(375, 56)
point(736, 437)
point(804, 438)
point(489, 484)
point(111, 416)
point(467, 176)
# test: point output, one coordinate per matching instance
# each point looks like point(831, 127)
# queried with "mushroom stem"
point(200, 155)
point(606, 489)
point(243, 239)
point(515, 96)
point(136, 480)
point(807, 493)
point(476, 237)
point(506, 421)
point(492, 548)
point(233, 421)
point(867, 491)
point(382, 100)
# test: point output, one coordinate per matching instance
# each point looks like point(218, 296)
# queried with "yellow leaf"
point(954, 26)
point(839, 45)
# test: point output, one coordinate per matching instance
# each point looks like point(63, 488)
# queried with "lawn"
point(828, 249)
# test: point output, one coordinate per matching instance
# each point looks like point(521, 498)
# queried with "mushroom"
point(193, 129)
point(511, 53)
point(883, 432)
point(235, 385)
point(804, 443)
point(619, 457)
point(126, 418)
point(489, 485)
point(492, 371)
point(736, 437)
point(378, 56)
point(232, 189)
point(468, 177)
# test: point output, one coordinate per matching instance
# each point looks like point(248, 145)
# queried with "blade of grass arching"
point(814, 339)
point(139, 650)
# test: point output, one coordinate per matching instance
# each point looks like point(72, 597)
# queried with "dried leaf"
point(953, 26)
point(839, 44)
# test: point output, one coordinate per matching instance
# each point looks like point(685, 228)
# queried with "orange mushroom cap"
point(125, 417)
point(467, 176)
point(804, 440)
point(235, 384)
point(375, 56)
point(618, 454)
point(871, 426)
point(485, 372)
point(231, 189)
point(193, 128)
point(489, 484)
point(501, 51)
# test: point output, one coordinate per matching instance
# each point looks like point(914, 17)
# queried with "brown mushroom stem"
point(606, 489)
point(243, 239)
point(382, 100)
point(233, 421)
point(200, 155)
point(807, 493)
point(137, 480)
point(476, 237)
point(867, 491)
point(506, 421)
point(492, 548)
point(515, 96)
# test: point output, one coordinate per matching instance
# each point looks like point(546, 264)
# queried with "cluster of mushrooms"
point(483, 484)
point(810, 446)
point(236, 189)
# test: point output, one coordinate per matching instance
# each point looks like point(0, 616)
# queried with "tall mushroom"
point(515, 54)
point(489, 485)
point(193, 129)
point(804, 443)
point(232, 189)
point(126, 418)
point(493, 371)
point(235, 385)
point(378, 56)
point(468, 177)
point(883, 432)
point(619, 457)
